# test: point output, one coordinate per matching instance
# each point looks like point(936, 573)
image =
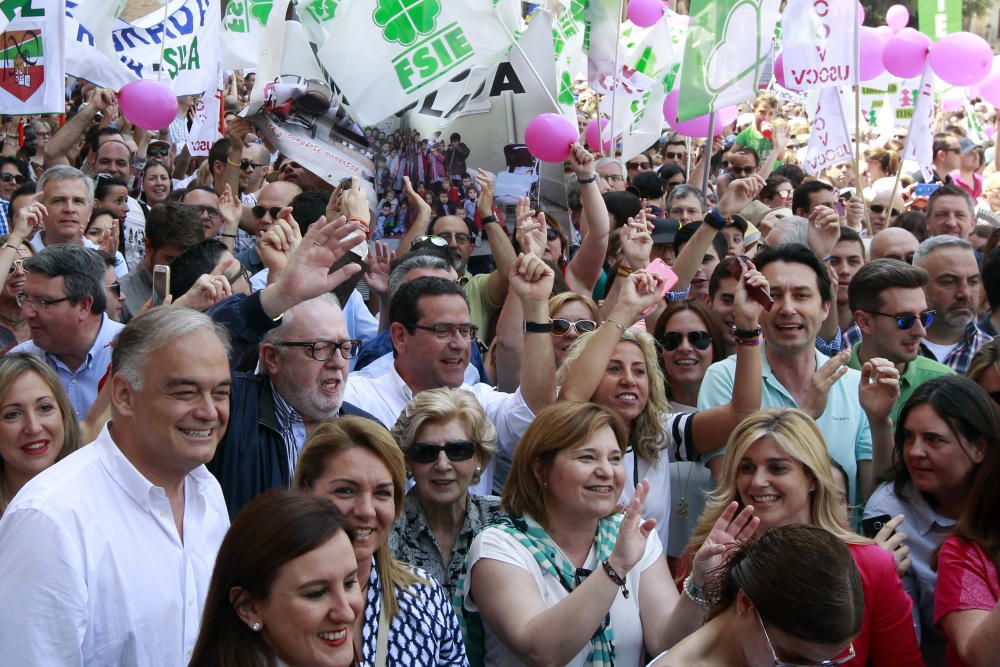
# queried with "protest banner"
point(410, 48)
point(205, 126)
point(727, 48)
point(818, 42)
point(32, 74)
point(183, 52)
point(243, 30)
point(829, 142)
point(938, 18)
point(920, 139)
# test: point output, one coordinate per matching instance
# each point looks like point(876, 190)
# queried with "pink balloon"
point(872, 44)
point(897, 17)
point(149, 104)
point(961, 58)
point(953, 103)
point(550, 137)
point(905, 53)
point(696, 127)
point(645, 13)
point(885, 31)
point(593, 135)
point(989, 88)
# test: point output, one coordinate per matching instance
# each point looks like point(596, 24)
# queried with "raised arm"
point(500, 245)
point(636, 242)
point(236, 133)
point(532, 279)
point(878, 393)
point(780, 140)
point(823, 234)
point(63, 141)
point(23, 227)
point(420, 222)
point(584, 270)
point(711, 427)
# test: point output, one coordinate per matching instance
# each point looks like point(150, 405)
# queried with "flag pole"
point(708, 152)
point(857, 115)
point(614, 79)
point(163, 39)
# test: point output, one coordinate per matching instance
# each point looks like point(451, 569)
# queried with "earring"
point(812, 488)
point(256, 626)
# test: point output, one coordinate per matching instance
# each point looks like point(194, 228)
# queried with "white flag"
point(32, 78)
point(386, 54)
point(205, 126)
point(920, 145)
point(243, 30)
point(818, 42)
point(829, 143)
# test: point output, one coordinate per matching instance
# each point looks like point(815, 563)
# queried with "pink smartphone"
point(662, 269)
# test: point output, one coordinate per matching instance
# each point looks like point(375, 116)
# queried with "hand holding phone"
point(736, 269)
point(872, 525)
point(161, 283)
point(660, 268)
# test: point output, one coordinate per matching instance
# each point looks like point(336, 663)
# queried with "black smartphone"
point(871, 526)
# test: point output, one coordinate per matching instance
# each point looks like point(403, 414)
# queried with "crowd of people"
point(299, 450)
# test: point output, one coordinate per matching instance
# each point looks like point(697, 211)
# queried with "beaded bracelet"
point(748, 342)
point(693, 592)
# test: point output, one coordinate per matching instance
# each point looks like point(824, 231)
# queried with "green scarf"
point(551, 560)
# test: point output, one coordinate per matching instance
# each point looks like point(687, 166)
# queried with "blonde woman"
point(355, 462)
point(777, 462)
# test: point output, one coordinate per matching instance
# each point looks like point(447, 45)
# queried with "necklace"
point(682, 504)
point(11, 321)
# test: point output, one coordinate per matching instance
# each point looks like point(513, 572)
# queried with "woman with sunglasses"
point(691, 339)
point(447, 441)
point(943, 434)
point(14, 249)
point(619, 368)
point(777, 462)
point(791, 597)
point(407, 618)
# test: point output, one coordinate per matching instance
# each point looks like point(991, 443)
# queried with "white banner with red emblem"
point(32, 68)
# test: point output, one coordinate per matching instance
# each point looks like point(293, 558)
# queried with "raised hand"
point(208, 290)
point(823, 378)
point(879, 388)
point(487, 184)
point(377, 275)
point(739, 193)
point(636, 241)
point(29, 219)
point(824, 230)
point(417, 203)
point(354, 203)
point(231, 208)
point(746, 311)
point(854, 213)
point(276, 245)
point(633, 533)
point(640, 292)
point(581, 161)
point(531, 278)
point(732, 527)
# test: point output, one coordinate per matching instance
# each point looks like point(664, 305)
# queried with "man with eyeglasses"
point(890, 309)
point(12, 176)
point(675, 151)
point(431, 328)
point(883, 209)
point(953, 291)
point(206, 202)
point(64, 302)
point(610, 175)
point(743, 162)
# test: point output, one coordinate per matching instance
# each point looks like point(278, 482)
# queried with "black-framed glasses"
point(428, 452)
point(551, 234)
point(561, 327)
point(847, 656)
point(37, 302)
point(674, 156)
point(17, 178)
point(115, 289)
point(433, 240)
point(880, 209)
point(907, 320)
point(323, 350)
point(461, 238)
point(700, 340)
point(445, 330)
point(15, 266)
point(159, 151)
point(246, 164)
point(639, 166)
point(261, 211)
point(211, 212)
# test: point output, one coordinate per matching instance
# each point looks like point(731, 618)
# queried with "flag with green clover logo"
point(243, 30)
point(387, 54)
point(728, 44)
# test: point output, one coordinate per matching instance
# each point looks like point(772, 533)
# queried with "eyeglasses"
point(323, 350)
point(907, 320)
point(638, 166)
point(460, 237)
point(741, 171)
point(212, 213)
point(37, 302)
point(445, 331)
point(261, 211)
point(115, 288)
point(561, 327)
point(246, 164)
point(159, 151)
point(612, 178)
point(433, 240)
point(700, 340)
point(840, 660)
point(428, 452)
point(879, 208)
point(15, 266)
point(17, 178)
point(674, 156)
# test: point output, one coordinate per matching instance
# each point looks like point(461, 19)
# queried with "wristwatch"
point(715, 220)
point(488, 220)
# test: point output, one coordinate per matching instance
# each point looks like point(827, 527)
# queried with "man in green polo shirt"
point(889, 306)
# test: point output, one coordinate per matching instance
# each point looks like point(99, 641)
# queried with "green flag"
point(940, 17)
point(728, 43)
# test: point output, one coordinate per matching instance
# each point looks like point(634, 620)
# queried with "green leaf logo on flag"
point(404, 21)
point(321, 11)
point(239, 13)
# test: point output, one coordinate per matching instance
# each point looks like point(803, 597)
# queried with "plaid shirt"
point(841, 341)
point(4, 210)
point(960, 358)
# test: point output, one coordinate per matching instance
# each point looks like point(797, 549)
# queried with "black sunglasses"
point(162, 151)
point(907, 320)
point(428, 452)
point(247, 164)
point(561, 327)
point(878, 208)
point(115, 288)
point(741, 171)
point(261, 211)
point(700, 340)
point(551, 234)
point(17, 178)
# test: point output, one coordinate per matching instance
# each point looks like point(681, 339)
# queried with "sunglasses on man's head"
point(700, 340)
point(428, 452)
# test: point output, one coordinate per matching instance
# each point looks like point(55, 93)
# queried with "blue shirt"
point(83, 383)
point(844, 424)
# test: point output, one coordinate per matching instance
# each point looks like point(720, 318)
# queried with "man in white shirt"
point(431, 329)
point(108, 554)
